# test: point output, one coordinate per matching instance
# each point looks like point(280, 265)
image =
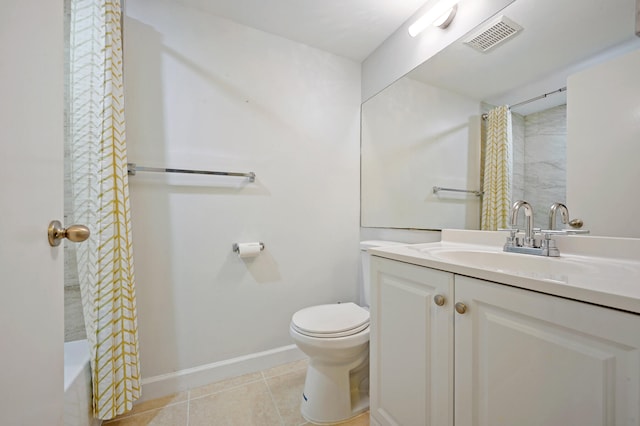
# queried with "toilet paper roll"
point(245, 250)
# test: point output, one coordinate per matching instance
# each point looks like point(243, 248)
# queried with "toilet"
point(335, 337)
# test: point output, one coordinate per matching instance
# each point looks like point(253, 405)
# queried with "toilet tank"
point(365, 262)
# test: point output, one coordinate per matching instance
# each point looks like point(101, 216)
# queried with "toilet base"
point(335, 393)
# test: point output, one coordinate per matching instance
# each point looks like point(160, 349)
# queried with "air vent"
point(494, 33)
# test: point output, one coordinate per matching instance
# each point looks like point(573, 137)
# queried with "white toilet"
point(336, 339)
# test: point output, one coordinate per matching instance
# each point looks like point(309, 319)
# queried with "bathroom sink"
point(513, 262)
point(600, 270)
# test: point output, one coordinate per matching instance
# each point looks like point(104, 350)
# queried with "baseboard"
point(167, 384)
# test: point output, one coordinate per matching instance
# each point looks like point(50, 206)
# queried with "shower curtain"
point(100, 198)
point(497, 169)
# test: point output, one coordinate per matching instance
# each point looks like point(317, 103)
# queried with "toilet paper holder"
point(236, 248)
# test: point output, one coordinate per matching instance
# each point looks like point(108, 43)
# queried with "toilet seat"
point(330, 321)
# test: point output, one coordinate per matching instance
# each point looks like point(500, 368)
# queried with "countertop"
point(598, 270)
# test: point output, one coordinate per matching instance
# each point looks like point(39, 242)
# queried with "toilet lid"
point(334, 320)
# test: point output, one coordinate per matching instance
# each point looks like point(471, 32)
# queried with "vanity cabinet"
point(411, 380)
point(521, 357)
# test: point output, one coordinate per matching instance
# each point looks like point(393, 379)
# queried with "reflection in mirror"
point(416, 136)
point(426, 130)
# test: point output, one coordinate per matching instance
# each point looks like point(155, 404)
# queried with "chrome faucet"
point(564, 212)
point(528, 213)
point(543, 246)
point(536, 241)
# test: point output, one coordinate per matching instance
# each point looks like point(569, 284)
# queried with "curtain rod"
point(562, 89)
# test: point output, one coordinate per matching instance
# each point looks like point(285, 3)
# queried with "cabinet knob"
point(439, 299)
point(461, 308)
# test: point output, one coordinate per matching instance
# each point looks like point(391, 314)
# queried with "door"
point(411, 345)
point(529, 359)
point(31, 190)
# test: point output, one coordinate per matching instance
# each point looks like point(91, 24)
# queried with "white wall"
point(603, 126)
point(416, 136)
point(400, 53)
point(206, 93)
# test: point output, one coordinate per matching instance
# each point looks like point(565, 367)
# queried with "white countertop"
point(599, 270)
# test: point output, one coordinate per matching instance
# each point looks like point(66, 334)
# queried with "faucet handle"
point(512, 240)
point(512, 232)
point(575, 231)
point(549, 232)
point(552, 231)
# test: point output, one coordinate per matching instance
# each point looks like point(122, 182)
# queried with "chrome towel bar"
point(133, 168)
point(437, 189)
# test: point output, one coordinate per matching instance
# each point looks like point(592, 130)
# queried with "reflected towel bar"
point(437, 189)
point(132, 169)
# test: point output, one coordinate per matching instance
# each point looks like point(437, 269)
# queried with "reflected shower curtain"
point(497, 169)
point(101, 201)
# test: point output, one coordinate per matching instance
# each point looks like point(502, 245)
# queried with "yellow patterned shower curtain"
point(100, 195)
point(497, 169)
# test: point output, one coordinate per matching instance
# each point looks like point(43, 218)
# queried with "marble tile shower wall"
point(545, 161)
point(539, 159)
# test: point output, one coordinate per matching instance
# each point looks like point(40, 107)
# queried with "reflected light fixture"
point(439, 15)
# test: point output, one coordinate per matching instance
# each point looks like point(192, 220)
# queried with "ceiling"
point(350, 28)
point(559, 38)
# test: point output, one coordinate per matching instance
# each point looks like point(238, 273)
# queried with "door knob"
point(439, 299)
point(75, 233)
point(461, 308)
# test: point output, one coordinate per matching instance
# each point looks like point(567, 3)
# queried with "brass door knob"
point(439, 300)
point(461, 308)
point(75, 233)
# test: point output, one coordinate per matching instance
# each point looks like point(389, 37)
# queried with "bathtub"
point(77, 385)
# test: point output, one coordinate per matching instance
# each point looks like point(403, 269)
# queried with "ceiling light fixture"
point(439, 15)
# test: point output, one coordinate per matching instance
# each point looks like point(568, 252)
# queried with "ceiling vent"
point(493, 33)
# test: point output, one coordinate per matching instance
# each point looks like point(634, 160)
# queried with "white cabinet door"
point(525, 358)
point(411, 345)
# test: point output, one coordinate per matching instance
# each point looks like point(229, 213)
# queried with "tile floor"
point(267, 398)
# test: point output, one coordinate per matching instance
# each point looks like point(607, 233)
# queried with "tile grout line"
point(223, 390)
point(189, 397)
point(295, 370)
point(188, 405)
point(273, 400)
point(264, 377)
point(130, 414)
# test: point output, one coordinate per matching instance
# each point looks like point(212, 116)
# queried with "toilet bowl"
point(335, 387)
point(335, 337)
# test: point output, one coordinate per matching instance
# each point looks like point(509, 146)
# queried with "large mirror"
point(426, 130)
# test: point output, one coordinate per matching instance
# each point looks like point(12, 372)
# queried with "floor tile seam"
point(188, 409)
point(190, 398)
point(273, 400)
point(139, 413)
point(295, 370)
